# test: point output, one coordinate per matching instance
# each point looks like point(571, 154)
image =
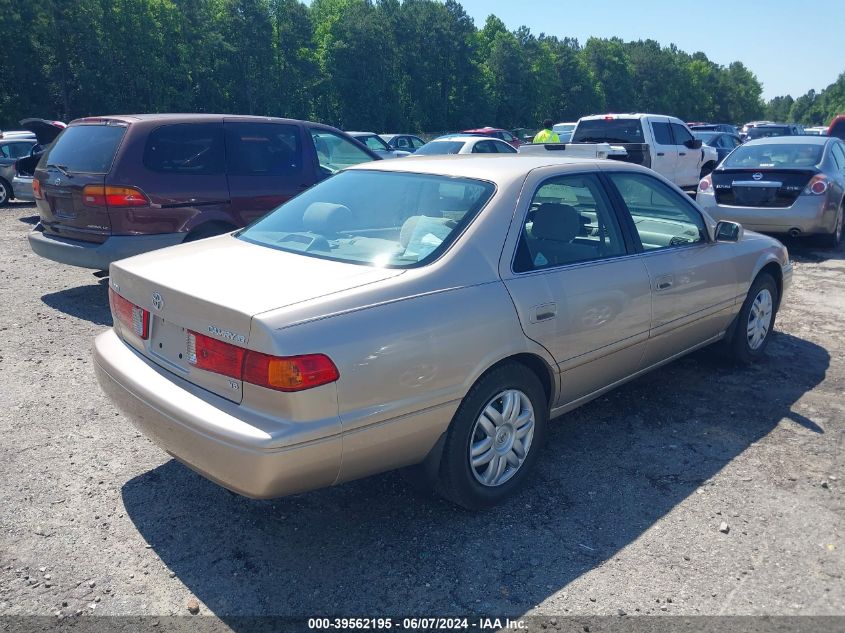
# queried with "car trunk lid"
point(81, 156)
point(769, 188)
point(220, 285)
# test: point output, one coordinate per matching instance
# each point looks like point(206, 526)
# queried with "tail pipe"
point(794, 232)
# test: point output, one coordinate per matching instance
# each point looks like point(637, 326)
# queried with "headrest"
point(326, 218)
point(554, 221)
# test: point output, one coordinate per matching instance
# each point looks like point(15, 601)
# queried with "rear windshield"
point(765, 132)
point(85, 148)
point(608, 131)
point(440, 147)
point(788, 155)
point(384, 219)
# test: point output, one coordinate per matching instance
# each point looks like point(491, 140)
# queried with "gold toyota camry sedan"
point(434, 313)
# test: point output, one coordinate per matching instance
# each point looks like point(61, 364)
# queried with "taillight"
point(817, 185)
point(706, 184)
point(36, 189)
point(106, 195)
point(130, 316)
point(216, 356)
point(291, 373)
point(282, 373)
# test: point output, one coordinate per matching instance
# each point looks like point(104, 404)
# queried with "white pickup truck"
point(662, 143)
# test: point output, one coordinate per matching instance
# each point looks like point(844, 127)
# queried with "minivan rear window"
point(186, 148)
point(608, 131)
point(85, 148)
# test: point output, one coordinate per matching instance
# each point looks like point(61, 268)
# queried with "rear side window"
point(662, 135)
point(262, 149)
point(85, 148)
point(186, 148)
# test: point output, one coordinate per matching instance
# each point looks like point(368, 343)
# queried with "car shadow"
point(90, 303)
point(806, 250)
point(610, 470)
point(30, 219)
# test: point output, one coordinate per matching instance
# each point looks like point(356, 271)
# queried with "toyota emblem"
point(757, 176)
point(158, 302)
point(57, 181)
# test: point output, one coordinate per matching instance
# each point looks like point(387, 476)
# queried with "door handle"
point(665, 282)
point(682, 153)
point(543, 312)
point(661, 153)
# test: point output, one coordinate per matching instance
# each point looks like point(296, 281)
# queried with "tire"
point(5, 193)
point(832, 240)
point(208, 230)
point(749, 340)
point(502, 389)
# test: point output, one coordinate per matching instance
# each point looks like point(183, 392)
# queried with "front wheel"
point(755, 320)
point(494, 439)
point(5, 193)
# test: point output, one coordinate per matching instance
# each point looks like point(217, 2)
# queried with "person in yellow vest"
point(546, 135)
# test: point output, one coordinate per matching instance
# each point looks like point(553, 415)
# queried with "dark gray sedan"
point(10, 151)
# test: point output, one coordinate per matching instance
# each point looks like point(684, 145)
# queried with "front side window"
point(663, 218)
point(262, 149)
point(681, 134)
point(416, 143)
point(384, 219)
point(335, 152)
point(402, 143)
point(374, 143)
point(484, 147)
point(569, 221)
point(189, 149)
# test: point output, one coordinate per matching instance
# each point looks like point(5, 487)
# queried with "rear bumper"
point(22, 188)
point(212, 435)
point(93, 255)
point(808, 214)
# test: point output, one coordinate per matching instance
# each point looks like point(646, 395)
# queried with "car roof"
point(789, 140)
point(362, 133)
point(497, 168)
point(486, 129)
point(190, 117)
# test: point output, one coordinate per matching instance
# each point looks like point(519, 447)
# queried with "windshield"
point(85, 148)
point(791, 155)
point(440, 147)
point(765, 132)
point(385, 219)
point(608, 131)
point(373, 142)
point(705, 137)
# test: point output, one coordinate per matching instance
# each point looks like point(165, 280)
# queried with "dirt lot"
point(624, 515)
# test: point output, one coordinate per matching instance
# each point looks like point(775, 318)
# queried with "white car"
point(465, 144)
point(564, 130)
point(663, 143)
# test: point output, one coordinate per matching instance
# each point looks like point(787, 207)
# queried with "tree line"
point(812, 108)
point(382, 65)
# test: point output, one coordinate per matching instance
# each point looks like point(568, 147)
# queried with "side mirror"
point(728, 231)
point(694, 143)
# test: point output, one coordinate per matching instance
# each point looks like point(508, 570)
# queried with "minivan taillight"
point(132, 317)
point(107, 195)
point(282, 373)
point(36, 189)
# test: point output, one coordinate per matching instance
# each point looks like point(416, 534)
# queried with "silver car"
point(791, 185)
point(432, 313)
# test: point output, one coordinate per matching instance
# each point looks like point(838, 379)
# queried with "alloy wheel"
point(501, 438)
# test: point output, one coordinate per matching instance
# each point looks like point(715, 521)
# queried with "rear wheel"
point(494, 439)
point(5, 192)
point(832, 240)
point(755, 320)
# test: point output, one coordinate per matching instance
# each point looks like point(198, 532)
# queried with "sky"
point(791, 47)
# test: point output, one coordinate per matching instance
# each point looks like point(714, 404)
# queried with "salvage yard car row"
point(361, 351)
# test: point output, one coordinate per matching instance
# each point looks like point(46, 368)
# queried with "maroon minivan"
point(115, 186)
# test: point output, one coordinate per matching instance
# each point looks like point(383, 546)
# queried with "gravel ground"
point(625, 513)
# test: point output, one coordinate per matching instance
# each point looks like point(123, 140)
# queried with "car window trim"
point(629, 220)
point(613, 214)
